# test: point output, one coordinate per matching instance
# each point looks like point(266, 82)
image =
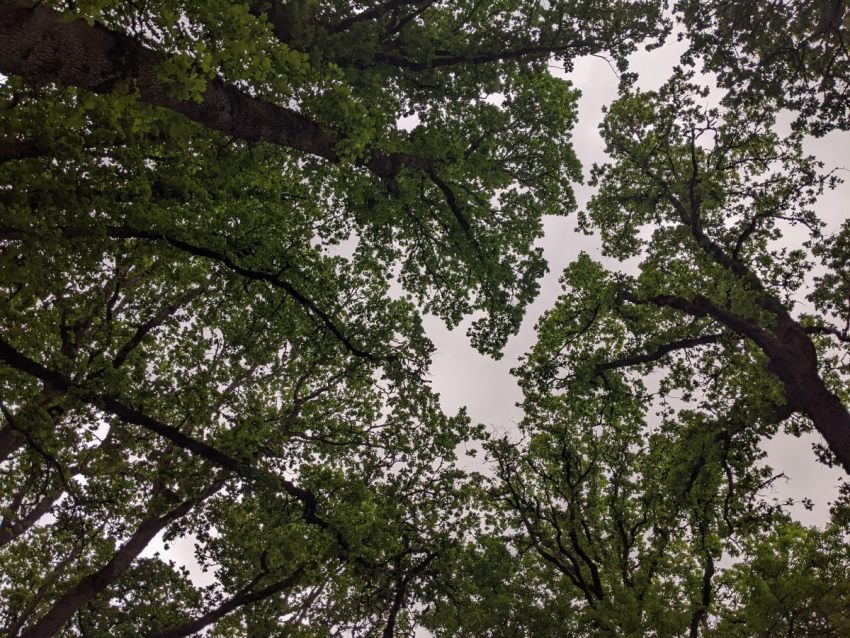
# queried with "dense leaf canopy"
point(221, 224)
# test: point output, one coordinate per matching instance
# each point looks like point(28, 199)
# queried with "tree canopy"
point(221, 224)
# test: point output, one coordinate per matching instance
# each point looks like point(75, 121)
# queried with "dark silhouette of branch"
point(128, 414)
point(792, 359)
point(274, 279)
point(660, 352)
point(828, 330)
point(535, 50)
point(246, 596)
point(144, 329)
point(374, 13)
point(258, 275)
point(90, 586)
point(401, 593)
point(41, 45)
point(22, 149)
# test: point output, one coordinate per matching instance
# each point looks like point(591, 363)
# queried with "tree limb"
point(129, 414)
point(41, 45)
point(93, 584)
point(21, 149)
point(373, 13)
point(660, 352)
point(244, 597)
point(792, 359)
point(143, 329)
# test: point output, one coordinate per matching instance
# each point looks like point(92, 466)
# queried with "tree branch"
point(244, 597)
point(532, 50)
point(93, 584)
point(41, 45)
point(275, 280)
point(21, 149)
point(143, 329)
point(124, 232)
point(828, 330)
point(701, 306)
point(373, 13)
point(660, 352)
point(401, 593)
point(792, 359)
point(128, 414)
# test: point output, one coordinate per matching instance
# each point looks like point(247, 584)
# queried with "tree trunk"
point(794, 361)
point(93, 584)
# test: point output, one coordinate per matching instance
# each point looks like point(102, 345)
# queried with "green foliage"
point(796, 581)
point(792, 54)
point(200, 338)
point(220, 226)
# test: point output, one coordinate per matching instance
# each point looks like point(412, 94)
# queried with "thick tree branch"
point(10, 441)
point(24, 364)
point(454, 205)
point(41, 45)
point(701, 306)
point(691, 218)
point(282, 20)
point(792, 358)
point(401, 594)
point(128, 414)
point(93, 584)
point(701, 612)
point(50, 579)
